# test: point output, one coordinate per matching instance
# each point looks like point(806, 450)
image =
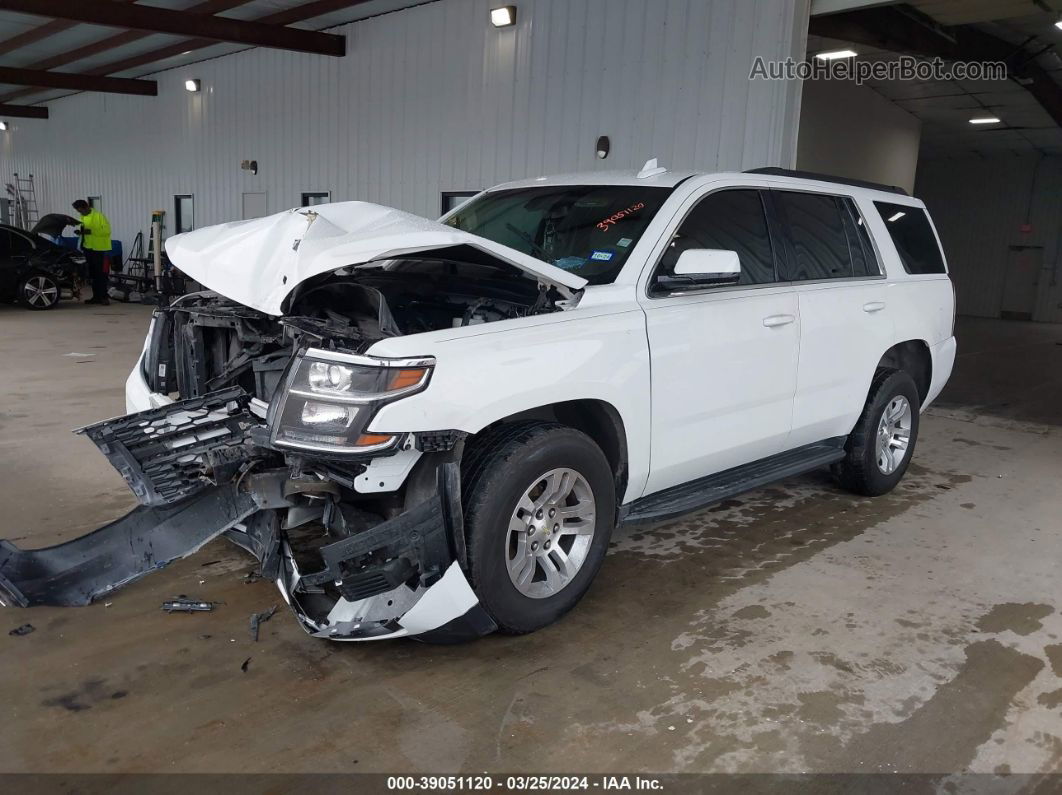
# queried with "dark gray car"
point(33, 270)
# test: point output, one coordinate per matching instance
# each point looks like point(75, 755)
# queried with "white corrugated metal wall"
point(431, 99)
point(980, 206)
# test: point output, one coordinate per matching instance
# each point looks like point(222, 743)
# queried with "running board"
point(701, 493)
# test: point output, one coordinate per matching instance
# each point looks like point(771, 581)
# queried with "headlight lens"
point(330, 377)
point(330, 415)
point(355, 383)
point(330, 398)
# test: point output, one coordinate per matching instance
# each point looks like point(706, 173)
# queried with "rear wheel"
point(539, 508)
point(39, 290)
point(883, 440)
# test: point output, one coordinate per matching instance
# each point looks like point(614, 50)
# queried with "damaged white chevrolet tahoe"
point(431, 429)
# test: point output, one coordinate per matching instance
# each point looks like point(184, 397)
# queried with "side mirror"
point(703, 267)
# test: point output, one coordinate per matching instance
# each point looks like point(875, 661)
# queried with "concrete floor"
point(797, 628)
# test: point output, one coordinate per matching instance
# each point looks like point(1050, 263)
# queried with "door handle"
point(778, 320)
point(873, 306)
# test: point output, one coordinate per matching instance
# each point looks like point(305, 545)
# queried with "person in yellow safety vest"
point(95, 245)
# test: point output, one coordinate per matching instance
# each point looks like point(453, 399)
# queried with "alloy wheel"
point(894, 434)
point(40, 292)
point(550, 533)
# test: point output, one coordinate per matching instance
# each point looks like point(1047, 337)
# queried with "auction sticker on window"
point(616, 217)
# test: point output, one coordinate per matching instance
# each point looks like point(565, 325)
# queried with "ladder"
point(26, 213)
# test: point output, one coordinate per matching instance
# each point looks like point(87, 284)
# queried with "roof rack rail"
point(775, 171)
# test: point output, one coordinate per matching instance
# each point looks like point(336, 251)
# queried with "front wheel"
point(39, 290)
point(883, 440)
point(539, 503)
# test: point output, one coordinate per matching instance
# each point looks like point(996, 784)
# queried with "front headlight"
point(329, 399)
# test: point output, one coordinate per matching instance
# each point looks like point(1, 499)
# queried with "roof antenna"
point(651, 169)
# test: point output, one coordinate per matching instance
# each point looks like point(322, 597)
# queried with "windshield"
point(586, 229)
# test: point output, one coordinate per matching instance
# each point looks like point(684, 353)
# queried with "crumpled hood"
point(259, 262)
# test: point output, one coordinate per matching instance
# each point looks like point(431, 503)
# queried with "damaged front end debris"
point(204, 467)
point(262, 394)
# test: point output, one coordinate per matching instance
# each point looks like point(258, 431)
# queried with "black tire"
point(497, 469)
point(859, 471)
point(39, 290)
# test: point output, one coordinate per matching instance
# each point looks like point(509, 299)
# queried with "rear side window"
point(864, 261)
point(733, 220)
point(913, 236)
point(20, 246)
point(817, 233)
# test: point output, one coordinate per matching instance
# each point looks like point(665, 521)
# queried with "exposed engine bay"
point(264, 441)
point(205, 342)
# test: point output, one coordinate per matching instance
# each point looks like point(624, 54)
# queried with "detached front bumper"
point(198, 473)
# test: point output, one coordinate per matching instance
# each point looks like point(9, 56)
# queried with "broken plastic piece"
point(145, 539)
point(25, 629)
point(183, 604)
point(257, 619)
point(173, 452)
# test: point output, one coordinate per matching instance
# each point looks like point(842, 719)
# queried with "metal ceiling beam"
point(25, 111)
point(110, 43)
point(33, 35)
point(900, 29)
point(126, 37)
point(108, 85)
point(180, 23)
point(835, 6)
point(287, 16)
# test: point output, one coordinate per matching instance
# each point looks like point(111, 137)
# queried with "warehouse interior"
point(797, 629)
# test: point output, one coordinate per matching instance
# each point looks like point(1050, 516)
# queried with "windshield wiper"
point(541, 252)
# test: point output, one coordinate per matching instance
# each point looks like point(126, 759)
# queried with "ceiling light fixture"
point(984, 120)
point(896, 216)
point(833, 55)
point(192, 86)
point(503, 16)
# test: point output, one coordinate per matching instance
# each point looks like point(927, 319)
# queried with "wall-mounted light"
point(192, 85)
point(503, 16)
point(603, 147)
point(1059, 23)
point(984, 120)
point(3, 126)
point(833, 55)
point(250, 165)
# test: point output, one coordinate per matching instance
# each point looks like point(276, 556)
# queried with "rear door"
point(846, 323)
point(7, 266)
point(723, 359)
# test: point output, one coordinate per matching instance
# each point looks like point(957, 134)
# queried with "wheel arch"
point(914, 358)
point(598, 419)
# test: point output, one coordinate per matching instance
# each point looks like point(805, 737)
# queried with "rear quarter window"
point(913, 237)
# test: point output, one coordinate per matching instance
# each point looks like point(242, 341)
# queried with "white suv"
point(432, 428)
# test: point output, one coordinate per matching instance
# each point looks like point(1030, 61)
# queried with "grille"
point(172, 452)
